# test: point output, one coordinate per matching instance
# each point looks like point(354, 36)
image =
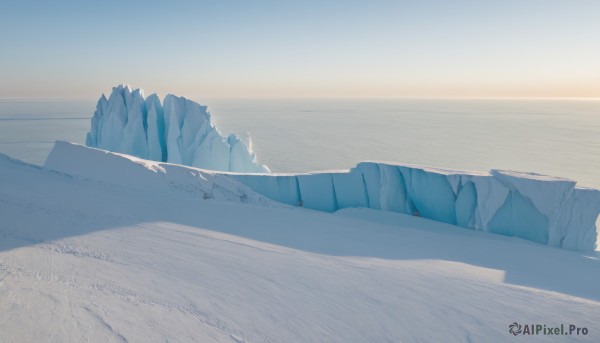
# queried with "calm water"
point(556, 137)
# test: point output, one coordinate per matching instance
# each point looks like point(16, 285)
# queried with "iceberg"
point(543, 209)
point(177, 131)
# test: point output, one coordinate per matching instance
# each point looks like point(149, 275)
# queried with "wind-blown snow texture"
point(539, 208)
point(178, 131)
point(83, 260)
point(144, 175)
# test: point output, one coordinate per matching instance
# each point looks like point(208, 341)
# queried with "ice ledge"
point(543, 209)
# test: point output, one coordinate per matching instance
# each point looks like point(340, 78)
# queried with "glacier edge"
point(543, 209)
point(547, 210)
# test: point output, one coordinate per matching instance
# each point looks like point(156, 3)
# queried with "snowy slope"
point(156, 177)
point(539, 208)
point(89, 261)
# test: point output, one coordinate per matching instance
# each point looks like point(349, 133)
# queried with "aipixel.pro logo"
point(542, 329)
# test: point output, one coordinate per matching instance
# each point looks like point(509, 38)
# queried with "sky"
point(264, 49)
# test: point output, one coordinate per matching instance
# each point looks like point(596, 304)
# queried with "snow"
point(100, 258)
point(539, 208)
point(144, 175)
point(178, 131)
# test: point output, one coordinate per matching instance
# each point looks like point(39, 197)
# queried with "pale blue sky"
point(503, 48)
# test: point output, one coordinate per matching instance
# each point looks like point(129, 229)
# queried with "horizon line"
point(77, 99)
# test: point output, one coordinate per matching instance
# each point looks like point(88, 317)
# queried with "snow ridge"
point(149, 176)
point(178, 131)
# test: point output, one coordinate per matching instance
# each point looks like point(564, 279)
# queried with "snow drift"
point(177, 131)
point(84, 261)
point(538, 208)
point(148, 176)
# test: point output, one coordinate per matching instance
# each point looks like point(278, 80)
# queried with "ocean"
point(554, 137)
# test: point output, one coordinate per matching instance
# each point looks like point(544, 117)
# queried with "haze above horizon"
point(268, 49)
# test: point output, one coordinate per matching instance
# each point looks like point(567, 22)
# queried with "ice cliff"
point(177, 130)
point(543, 209)
point(538, 208)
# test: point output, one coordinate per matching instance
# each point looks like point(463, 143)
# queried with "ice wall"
point(543, 209)
point(177, 131)
point(539, 208)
